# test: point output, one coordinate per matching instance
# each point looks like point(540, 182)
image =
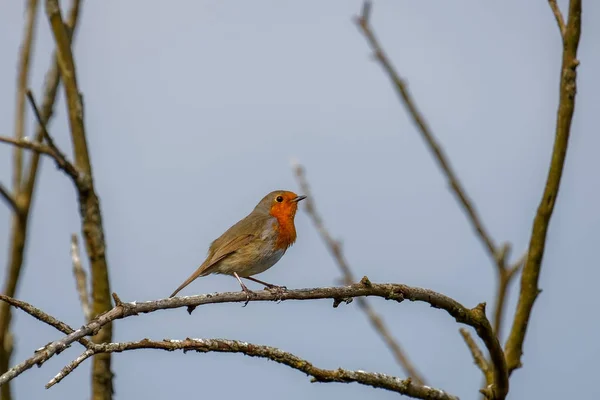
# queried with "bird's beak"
point(298, 198)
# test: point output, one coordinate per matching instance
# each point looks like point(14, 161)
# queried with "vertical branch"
point(22, 79)
point(47, 108)
point(93, 231)
point(19, 219)
point(23, 198)
point(531, 271)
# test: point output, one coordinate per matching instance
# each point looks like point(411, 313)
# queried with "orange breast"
point(286, 232)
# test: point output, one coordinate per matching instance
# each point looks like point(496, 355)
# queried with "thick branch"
point(92, 229)
point(531, 271)
point(473, 317)
point(335, 249)
point(377, 380)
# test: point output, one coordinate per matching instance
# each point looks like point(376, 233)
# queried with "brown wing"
point(236, 237)
point(215, 256)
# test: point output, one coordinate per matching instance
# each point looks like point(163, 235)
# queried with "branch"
point(442, 159)
point(22, 79)
point(59, 157)
point(531, 271)
point(376, 380)
point(41, 316)
point(52, 81)
point(10, 200)
point(61, 163)
point(473, 317)
point(80, 278)
point(19, 218)
point(478, 356)
point(89, 204)
point(559, 18)
point(25, 196)
point(335, 249)
point(505, 276)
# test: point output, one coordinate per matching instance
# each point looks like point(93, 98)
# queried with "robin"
point(255, 243)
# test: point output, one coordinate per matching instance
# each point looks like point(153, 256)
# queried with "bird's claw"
point(249, 294)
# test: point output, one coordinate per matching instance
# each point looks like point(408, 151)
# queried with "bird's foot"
point(249, 294)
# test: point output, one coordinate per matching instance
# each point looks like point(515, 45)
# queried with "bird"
point(254, 244)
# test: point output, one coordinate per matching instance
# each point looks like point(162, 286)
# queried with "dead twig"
point(559, 18)
point(478, 356)
point(80, 278)
point(459, 191)
point(348, 277)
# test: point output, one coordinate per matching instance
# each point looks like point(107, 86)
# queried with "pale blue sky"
point(193, 112)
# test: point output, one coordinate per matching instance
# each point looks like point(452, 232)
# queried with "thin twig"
point(531, 271)
point(41, 316)
point(60, 158)
point(376, 380)
point(22, 79)
point(61, 163)
point(478, 356)
point(52, 81)
point(71, 366)
point(559, 18)
point(504, 280)
point(442, 159)
point(474, 317)
point(9, 199)
point(335, 249)
point(80, 278)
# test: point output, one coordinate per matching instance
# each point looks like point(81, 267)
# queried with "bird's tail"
point(201, 271)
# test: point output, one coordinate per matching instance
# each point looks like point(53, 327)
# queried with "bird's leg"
point(269, 285)
point(279, 290)
point(244, 289)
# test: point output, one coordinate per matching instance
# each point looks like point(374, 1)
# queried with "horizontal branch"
point(376, 380)
point(473, 317)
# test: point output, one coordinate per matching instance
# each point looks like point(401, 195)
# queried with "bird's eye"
point(279, 199)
